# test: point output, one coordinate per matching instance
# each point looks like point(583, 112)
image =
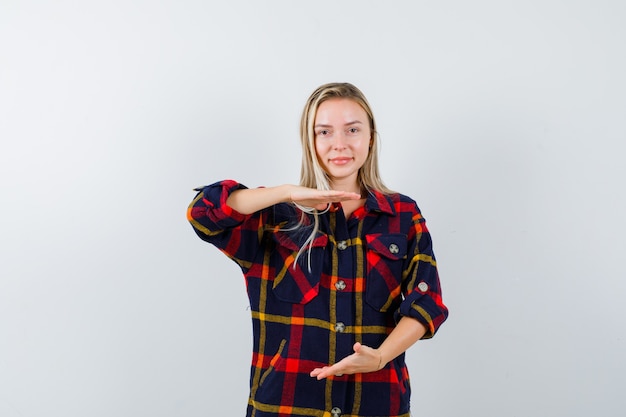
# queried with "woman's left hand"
point(364, 359)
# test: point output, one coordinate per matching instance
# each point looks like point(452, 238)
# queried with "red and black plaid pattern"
point(361, 275)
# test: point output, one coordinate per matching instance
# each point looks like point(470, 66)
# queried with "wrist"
point(381, 365)
point(285, 192)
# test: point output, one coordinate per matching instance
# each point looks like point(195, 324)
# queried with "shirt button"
point(422, 286)
point(340, 327)
point(393, 248)
point(340, 285)
point(342, 245)
point(336, 412)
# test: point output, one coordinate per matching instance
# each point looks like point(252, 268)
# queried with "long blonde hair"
point(312, 174)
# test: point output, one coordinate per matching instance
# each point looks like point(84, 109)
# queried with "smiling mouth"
point(340, 161)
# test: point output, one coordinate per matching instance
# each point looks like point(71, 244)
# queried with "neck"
point(346, 186)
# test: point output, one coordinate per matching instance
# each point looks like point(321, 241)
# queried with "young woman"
point(339, 271)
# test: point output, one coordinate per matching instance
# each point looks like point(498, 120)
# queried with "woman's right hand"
point(319, 199)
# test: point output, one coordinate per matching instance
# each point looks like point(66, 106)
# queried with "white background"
point(505, 120)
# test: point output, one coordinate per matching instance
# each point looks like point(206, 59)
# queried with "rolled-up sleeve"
point(422, 292)
point(214, 221)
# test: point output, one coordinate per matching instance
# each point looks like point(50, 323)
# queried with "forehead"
point(340, 110)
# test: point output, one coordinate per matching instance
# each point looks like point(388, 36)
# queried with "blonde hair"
point(312, 174)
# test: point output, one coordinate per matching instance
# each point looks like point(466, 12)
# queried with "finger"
point(344, 195)
point(326, 371)
point(334, 194)
point(339, 200)
point(315, 372)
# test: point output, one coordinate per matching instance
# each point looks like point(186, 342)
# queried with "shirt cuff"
point(215, 197)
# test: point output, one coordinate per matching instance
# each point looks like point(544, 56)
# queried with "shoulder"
point(402, 203)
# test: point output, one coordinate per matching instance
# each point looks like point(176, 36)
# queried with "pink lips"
point(340, 160)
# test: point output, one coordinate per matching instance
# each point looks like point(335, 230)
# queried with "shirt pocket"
point(384, 256)
point(298, 284)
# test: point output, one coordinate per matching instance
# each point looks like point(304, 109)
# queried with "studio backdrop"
point(504, 120)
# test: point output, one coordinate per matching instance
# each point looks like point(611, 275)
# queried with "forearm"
point(407, 332)
point(251, 200)
point(248, 201)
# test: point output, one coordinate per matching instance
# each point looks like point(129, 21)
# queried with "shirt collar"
point(377, 201)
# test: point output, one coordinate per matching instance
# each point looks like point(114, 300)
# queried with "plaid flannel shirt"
point(361, 275)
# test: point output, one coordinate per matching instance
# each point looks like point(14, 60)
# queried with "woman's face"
point(342, 140)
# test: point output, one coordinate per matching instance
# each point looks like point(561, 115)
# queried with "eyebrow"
point(354, 122)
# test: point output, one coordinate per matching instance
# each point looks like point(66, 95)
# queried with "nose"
point(339, 140)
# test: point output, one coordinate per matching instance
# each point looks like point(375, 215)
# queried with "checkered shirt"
point(360, 277)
